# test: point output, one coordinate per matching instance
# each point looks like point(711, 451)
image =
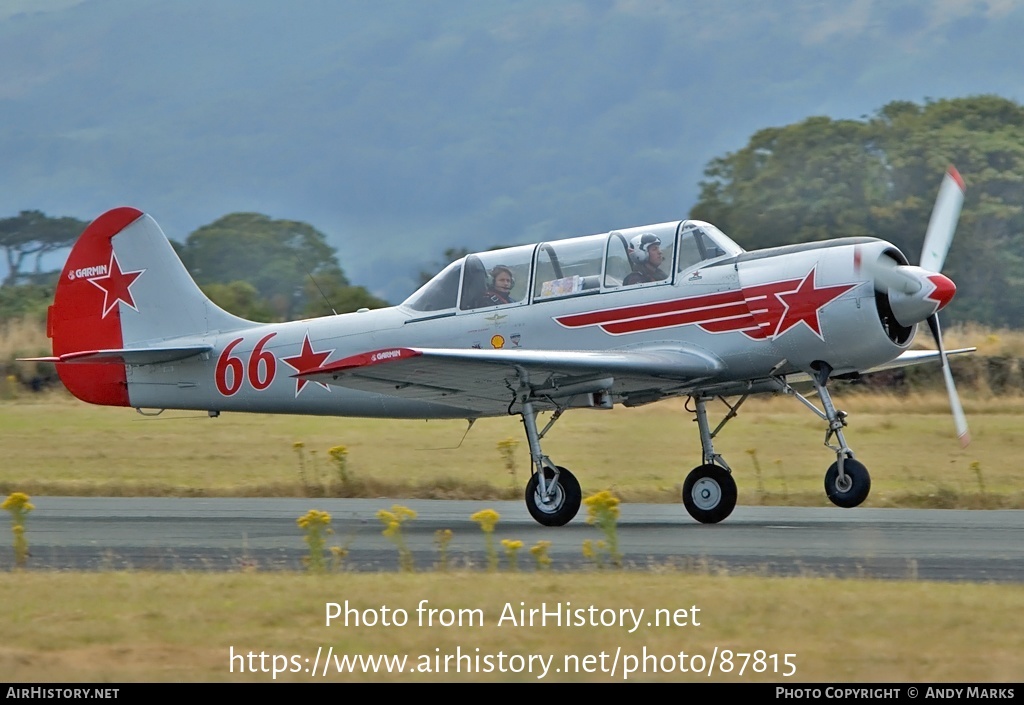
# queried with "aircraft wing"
point(486, 381)
point(907, 359)
point(917, 357)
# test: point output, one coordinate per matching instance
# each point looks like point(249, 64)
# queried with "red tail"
point(86, 310)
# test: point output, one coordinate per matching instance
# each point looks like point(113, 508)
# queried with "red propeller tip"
point(955, 175)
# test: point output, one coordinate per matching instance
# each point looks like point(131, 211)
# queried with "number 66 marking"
point(228, 363)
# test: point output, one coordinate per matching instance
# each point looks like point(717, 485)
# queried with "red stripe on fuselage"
point(692, 303)
point(699, 316)
point(754, 311)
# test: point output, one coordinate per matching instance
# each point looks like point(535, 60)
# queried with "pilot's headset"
point(639, 245)
point(498, 269)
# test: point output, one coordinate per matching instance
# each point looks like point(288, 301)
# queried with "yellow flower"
point(338, 452)
point(397, 515)
point(540, 554)
point(298, 445)
point(588, 549)
point(403, 513)
point(601, 505)
point(511, 545)
point(313, 518)
point(17, 502)
point(486, 518)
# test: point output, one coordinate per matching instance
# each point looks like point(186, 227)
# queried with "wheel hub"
point(551, 503)
point(844, 483)
point(706, 493)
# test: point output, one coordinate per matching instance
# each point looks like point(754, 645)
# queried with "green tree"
point(30, 235)
point(241, 299)
point(25, 300)
point(824, 178)
point(331, 293)
point(277, 258)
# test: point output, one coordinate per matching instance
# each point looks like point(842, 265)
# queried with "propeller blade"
point(942, 224)
point(959, 417)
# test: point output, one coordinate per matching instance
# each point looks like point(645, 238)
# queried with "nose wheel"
point(851, 487)
point(709, 493)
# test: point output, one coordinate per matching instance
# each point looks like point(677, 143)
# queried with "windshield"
point(440, 293)
point(700, 242)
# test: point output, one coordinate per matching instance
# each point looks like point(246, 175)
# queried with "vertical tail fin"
point(123, 286)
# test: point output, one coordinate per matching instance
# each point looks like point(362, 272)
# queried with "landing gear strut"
point(847, 481)
point(709, 492)
point(553, 494)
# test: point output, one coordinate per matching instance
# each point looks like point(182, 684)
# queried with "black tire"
point(563, 506)
point(709, 493)
point(857, 487)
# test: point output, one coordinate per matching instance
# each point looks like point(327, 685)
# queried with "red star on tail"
point(305, 361)
point(116, 286)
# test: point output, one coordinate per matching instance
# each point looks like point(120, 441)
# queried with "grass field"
point(57, 446)
point(129, 627)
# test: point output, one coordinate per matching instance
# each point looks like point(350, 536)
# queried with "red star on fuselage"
point(116, 286)
point(305, 361)
point(804, 303)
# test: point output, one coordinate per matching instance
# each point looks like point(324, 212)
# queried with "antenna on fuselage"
point(328, 301)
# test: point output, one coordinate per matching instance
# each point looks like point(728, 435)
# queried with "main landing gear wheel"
point(709, 493)
point(559, 508)
point(852, 489)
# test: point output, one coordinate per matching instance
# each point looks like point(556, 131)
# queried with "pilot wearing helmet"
point(500, 289)
point(645, 256)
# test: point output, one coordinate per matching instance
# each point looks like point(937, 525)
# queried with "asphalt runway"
point(102, 533)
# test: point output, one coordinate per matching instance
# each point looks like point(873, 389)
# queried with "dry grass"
point(53, 445)
point(998, 342)
point(21, 337)
point(130, 627)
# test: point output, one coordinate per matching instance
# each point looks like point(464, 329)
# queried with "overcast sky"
point(400, 128)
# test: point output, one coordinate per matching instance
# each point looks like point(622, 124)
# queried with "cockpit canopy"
point(652, 255)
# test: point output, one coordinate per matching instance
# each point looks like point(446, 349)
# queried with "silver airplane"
point(627, 317)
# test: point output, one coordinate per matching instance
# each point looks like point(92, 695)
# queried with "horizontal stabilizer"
point(125, 356)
